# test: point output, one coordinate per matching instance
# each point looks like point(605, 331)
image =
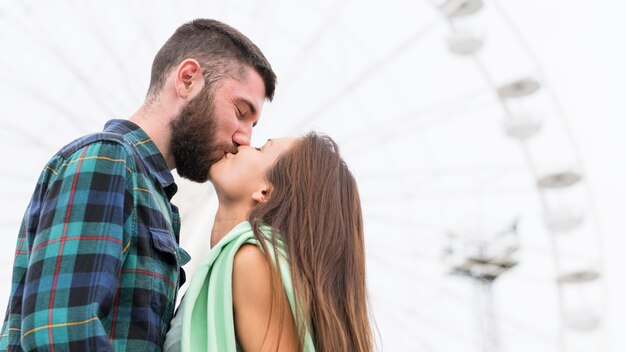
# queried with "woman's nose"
point(243, 147)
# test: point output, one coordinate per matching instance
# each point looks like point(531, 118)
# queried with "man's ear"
point(189, 79)
point(262, 195)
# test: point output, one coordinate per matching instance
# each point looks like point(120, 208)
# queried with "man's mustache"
point(220, 150)
point(227, 147)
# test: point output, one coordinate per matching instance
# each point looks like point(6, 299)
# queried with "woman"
point(291, 277)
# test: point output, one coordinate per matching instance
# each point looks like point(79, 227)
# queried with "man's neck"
point(155, 121)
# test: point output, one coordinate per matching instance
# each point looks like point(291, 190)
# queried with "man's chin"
point(197, 177)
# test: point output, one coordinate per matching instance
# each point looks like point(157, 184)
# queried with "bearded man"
point(98, 262)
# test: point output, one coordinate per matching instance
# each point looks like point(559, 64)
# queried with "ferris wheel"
point(480, 226)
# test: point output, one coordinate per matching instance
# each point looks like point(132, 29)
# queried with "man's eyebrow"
point(250, 105)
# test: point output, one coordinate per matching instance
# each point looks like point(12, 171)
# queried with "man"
point(97, 263)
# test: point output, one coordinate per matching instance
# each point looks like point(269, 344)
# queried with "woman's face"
point(237, 176)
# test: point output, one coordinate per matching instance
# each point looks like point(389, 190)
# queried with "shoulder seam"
point(100, 137)
point(84, 141)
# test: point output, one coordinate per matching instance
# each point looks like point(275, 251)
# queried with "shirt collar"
point(148, 151)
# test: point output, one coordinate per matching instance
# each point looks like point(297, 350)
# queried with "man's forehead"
point(249, 92)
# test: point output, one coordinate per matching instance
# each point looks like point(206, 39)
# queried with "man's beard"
point(193, 138)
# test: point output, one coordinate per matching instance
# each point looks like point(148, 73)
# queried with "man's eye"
point(259, 149)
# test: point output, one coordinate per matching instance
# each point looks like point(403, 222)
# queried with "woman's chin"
point(213, 174)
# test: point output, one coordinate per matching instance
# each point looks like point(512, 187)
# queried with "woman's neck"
point(226, 218)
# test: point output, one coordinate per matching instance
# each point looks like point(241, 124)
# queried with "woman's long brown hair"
point(315, 209)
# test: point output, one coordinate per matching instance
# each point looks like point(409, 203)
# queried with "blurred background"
point(486, 138)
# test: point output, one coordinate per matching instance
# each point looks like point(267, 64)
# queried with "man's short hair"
point(220, 50)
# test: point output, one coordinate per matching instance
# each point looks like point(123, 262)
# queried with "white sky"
point(343, 70)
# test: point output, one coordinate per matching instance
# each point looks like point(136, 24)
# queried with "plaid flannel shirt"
point(97, 264)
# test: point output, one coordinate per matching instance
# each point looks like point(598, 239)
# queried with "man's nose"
point(243, 136)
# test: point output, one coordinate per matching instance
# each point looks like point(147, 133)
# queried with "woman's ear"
point(262, 195)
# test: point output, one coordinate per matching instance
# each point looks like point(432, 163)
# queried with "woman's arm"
point(252, 305)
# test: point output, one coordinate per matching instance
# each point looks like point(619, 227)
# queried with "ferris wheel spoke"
point(404, 272)
point(255, 22)
point(469, 193)
point(415, 322)
point(304, 54)
point(130, 82)
point(42, 36)
point(434, 236)
point(538, 67)
point(142, 20)
point(11, 175)
point(458, 102)
point(75, 121)
point(461, 171)
point(433, 227)
point(375, 67)
point(45, 99)
point(381, 138)
point(28, 136)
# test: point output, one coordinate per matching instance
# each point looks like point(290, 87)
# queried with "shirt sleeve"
point(75, 259)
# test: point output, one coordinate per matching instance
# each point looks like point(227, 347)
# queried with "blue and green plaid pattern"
point(97, 264)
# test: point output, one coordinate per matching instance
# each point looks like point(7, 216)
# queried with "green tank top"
point(204, 321)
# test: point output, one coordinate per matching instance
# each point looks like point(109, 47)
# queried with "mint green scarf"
point(207, 320)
